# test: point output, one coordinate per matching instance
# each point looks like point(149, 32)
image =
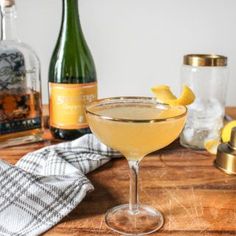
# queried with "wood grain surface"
point(194, 196)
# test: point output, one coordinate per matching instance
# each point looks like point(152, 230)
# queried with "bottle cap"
point(226, 155)
point(205, 60)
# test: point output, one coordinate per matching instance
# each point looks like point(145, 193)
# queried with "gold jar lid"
point(7, 3)
point(205, 60)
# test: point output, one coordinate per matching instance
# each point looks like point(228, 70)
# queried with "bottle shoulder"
point(26, 50)
point(71, 48)
point(72, 63)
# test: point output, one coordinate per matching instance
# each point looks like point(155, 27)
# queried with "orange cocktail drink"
point(135, 126)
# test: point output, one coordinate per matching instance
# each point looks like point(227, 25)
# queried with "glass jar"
point(207, 76)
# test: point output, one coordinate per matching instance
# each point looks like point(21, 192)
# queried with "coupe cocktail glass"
point(135, 126)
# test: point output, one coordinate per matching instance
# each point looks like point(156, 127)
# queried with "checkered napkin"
point(47, 184)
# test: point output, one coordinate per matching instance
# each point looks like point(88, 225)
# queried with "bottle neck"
point(71, 21)
point(9, 30)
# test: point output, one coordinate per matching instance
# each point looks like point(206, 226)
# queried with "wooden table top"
point(194, 196)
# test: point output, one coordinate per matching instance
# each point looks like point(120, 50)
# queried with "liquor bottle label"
point(19, 112)
point(67, 104)
point(12, 71)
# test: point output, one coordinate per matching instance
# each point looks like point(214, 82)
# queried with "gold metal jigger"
point(226, 155)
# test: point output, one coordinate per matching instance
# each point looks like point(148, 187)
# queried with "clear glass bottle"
point(20, 85)
point(207, 76)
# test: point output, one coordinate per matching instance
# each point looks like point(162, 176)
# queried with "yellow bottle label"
point(67, 104)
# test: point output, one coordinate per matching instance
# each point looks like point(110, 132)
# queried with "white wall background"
point(136, 43)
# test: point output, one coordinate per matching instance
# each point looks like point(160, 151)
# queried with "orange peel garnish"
point(165, 95)
point(226, 131)
point(212, 145)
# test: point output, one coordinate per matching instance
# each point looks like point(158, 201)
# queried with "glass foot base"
point(145, 221)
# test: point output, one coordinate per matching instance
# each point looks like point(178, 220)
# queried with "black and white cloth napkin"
point(45, 185)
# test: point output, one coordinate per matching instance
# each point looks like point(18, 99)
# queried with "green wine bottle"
point(72, 78)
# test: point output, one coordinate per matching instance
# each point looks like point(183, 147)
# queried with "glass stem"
point(133, 199)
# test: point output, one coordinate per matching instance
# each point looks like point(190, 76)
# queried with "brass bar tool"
point(226, 155)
